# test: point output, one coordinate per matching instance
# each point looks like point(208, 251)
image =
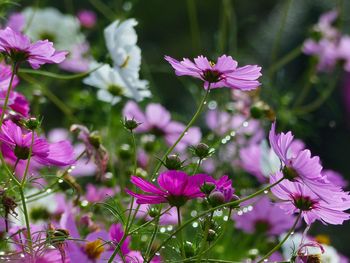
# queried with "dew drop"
point(162, 230)
point(60, 181)
point(194, 213)
point(245, 124)
point(84, 203)
point(250, 208)
point(170, 228)
point(245, 210)
point(212, 105)
point(195, 224)
point(266, 192)
point(239, 213)
point(49, 190)
point(205, 102)
point(225, 218)
point(233, 133)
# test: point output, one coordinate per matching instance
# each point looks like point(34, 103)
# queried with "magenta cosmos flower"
point(175, 188)
point(297, 197)
point(266, 217)
point(16, 144)
point(157, 120)
point(19, 48)
point(301, 167)
point(224, 73)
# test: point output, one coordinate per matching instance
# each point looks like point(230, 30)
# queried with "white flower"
point(49, 23)
point(293, 242)
point(44, 206)
point(121, 39)
point(112, 85)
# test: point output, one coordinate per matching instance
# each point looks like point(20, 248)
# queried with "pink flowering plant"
point(224, 155)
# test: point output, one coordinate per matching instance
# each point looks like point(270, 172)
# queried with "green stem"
point(206, 233)
point(194, 118)
point(104, 9)
point(229, 204)
point(195, 32)
point(4, 107)
point(294, 53)
point(26, 218)
point(182, 248)
point(57, 76)
point(197, 166)
point(149, 247)
point(278, 38)
point(53, 98)
point(320, 100)
point(282, 241)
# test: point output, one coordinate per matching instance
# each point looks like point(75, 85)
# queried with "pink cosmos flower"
point(225, 73)
point(175, 188)
point(5, 76)
point(335, 178)
point(296, 197)
point(77, 61)
point(19, 48)
point(265, 217)
point(16, 21)
point(157, 120)
point(16, 144)
point(87, 18)
point(96, 194)
point(222, 186)
point(302, 167)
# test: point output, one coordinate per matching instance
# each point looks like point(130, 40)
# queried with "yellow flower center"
point(323, 239)
point(94, 249)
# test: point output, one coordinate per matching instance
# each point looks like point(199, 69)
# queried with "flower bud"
point(211, 235)
point(189, 249)
point(216, 198)
point(148, 142)
point(130, 124)
point(261, 110)
point(125, 152)
point(95, 139)
point(141, 173)
point(32, 124)
point(153, 212)
point(207, 187)
point(202, 150)
point(173, 162)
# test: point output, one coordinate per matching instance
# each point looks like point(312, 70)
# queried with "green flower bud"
point(130, 124)
point(216, 198)
point(202, 150)
point(173, 162)
point(211, 235)
point(207, 187)
point(32, 124)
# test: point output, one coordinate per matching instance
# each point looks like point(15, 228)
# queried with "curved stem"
point(282, 241)
point(320, 100)
point(4, 107)
point(57, 76)
point(230, 204)
point(294, 53)
point(194, 118)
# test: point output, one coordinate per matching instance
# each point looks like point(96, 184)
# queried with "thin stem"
point(194, 118)
point(26, 218)
point(278, 38)
point(105, 10)
point(282, 241)
point(134, 152)
point(55, 75)
point(320, 100)
point(149, 247)
point(290, 56)
point(180, 233)
point(4, 107)
point(195, 32)
point(230, 204)
point(205, 238)
point(28, 161)
point(197, 166)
